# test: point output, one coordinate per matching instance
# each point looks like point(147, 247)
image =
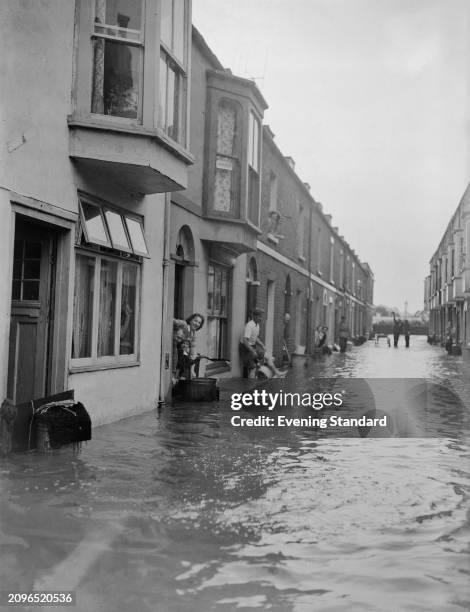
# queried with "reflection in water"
point(184, 512)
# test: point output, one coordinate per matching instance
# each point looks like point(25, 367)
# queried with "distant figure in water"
point(406, 331)
point(397, 327)
point(343, 335)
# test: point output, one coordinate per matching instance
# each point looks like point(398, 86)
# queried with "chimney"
point(290, 162)
point(335, 229)
point(307, 186)
point(319, 206)
point(328, 218)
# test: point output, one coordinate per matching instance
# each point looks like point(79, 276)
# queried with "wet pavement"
point(179, 511)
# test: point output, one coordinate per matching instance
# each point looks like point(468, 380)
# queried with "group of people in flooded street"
point(254, 357)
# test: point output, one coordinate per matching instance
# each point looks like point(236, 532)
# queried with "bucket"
point(199, 389)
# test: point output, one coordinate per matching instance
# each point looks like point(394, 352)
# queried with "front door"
point(31, 311)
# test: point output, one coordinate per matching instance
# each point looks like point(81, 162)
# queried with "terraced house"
point(139, 184)
point(95, 101)
point(447, 287)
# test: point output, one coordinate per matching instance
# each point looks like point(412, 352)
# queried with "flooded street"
point(180, 511)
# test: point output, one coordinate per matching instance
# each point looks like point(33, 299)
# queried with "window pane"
point(223, 190)
point(128, 310)
point(32, 269)
point(255, 163)
point(179, 30)
point(210, 289)
point(166, 22)
point(122, 13)
point(137, 236)
point(223, 293)
point(83, 306)
point(250, 140)
point(162, 94)
point(225, 130)
point(172, 110)
point(116, 79)
point(107, 307)
point(94, 224)
point(30, 290)
point(32, 250)
point(116, 230)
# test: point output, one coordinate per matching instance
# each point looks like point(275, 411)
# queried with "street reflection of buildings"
point(138, 189)
point(447, 287)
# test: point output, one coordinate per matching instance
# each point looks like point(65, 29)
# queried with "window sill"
point(92, 367)
point(114, 125)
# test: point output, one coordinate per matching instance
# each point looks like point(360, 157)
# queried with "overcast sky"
point(371, 98)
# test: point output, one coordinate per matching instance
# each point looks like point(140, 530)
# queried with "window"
point(253, 169)
point(332, 258)
point(105, 309)
point(116, 230)
point(218, 310)
point(272, 192)
point(118, 48)
point(135, 70)
point(171, 117)
point(26, 270)
point(107, 286)
point(227, 164)
point(301, 232)
point(341, 269)
point(319, 250)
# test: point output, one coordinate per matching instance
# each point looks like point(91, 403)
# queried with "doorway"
point(32, 311)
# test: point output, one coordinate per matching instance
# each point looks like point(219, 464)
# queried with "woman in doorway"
point(184, 335)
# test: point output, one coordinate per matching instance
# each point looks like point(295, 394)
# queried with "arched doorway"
point(184, 277)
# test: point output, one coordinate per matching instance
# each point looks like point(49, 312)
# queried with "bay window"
point(133, 64)
point(108, 262)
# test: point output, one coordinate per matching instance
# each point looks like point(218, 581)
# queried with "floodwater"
point(180, 511)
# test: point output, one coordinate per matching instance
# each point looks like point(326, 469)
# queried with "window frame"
point(105, 207)
point(211, 314)
point(170, 59)
point(94, 362)
point(150, 71)
point(254, 168)
point(233, 160)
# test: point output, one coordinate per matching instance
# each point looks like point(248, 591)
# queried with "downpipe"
point(164, 306)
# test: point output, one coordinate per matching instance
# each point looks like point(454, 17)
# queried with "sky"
point(371, 98)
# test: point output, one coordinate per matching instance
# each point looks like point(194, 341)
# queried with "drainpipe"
point(164, 309)
point(310, 284)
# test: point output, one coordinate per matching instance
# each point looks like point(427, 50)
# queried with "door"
point(31, 311)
